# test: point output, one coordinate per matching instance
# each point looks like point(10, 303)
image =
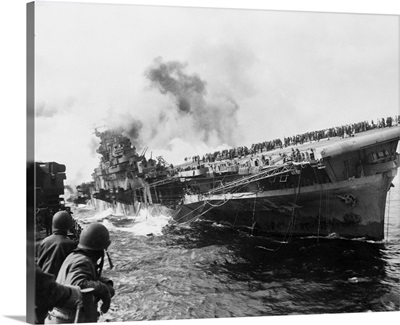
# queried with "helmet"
point(94, 237)
point(62, 220)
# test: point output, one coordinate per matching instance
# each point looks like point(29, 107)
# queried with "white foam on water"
point(144, 224)
point(81, 205)
point(101, 216)
point(146, 221)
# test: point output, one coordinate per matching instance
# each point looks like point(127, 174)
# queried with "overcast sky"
point(187, 81)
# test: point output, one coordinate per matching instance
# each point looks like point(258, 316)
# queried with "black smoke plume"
point(170, 78)
point(214, 117)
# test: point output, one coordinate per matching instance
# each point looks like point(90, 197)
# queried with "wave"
point(148, 221)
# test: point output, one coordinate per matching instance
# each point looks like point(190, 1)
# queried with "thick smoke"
point(131, 129)
point(170, 78)
point(185, 115)
point(123, 124)
point(213, 117)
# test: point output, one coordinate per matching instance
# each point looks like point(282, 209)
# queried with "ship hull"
point(337, 185)
point(352, 208)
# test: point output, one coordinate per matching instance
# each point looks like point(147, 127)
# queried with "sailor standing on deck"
point(53, 250)
point(83, 268)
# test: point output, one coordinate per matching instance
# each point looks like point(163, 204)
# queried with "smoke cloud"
point(170, 78)
point(213, 118)
point(54, 107)
point(69, 188)
point(181, 119)
point(131, 128)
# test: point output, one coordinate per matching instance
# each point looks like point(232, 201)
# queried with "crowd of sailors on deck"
point(233, 165)
point(343, 131)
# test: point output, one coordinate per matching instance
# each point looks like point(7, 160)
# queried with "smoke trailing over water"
point(213, 118)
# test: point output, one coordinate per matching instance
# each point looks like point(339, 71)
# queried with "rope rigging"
point(289, 231)
point(253, 223)
point(254, 178)
point(388, 215)
point(212, 206)
point(320, 204)
point(238, 185)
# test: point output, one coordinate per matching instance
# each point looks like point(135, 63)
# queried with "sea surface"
point(202, 270)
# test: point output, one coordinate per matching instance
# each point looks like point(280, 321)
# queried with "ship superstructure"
point(123, 175)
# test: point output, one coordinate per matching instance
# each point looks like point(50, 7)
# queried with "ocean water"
point(206, 270)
